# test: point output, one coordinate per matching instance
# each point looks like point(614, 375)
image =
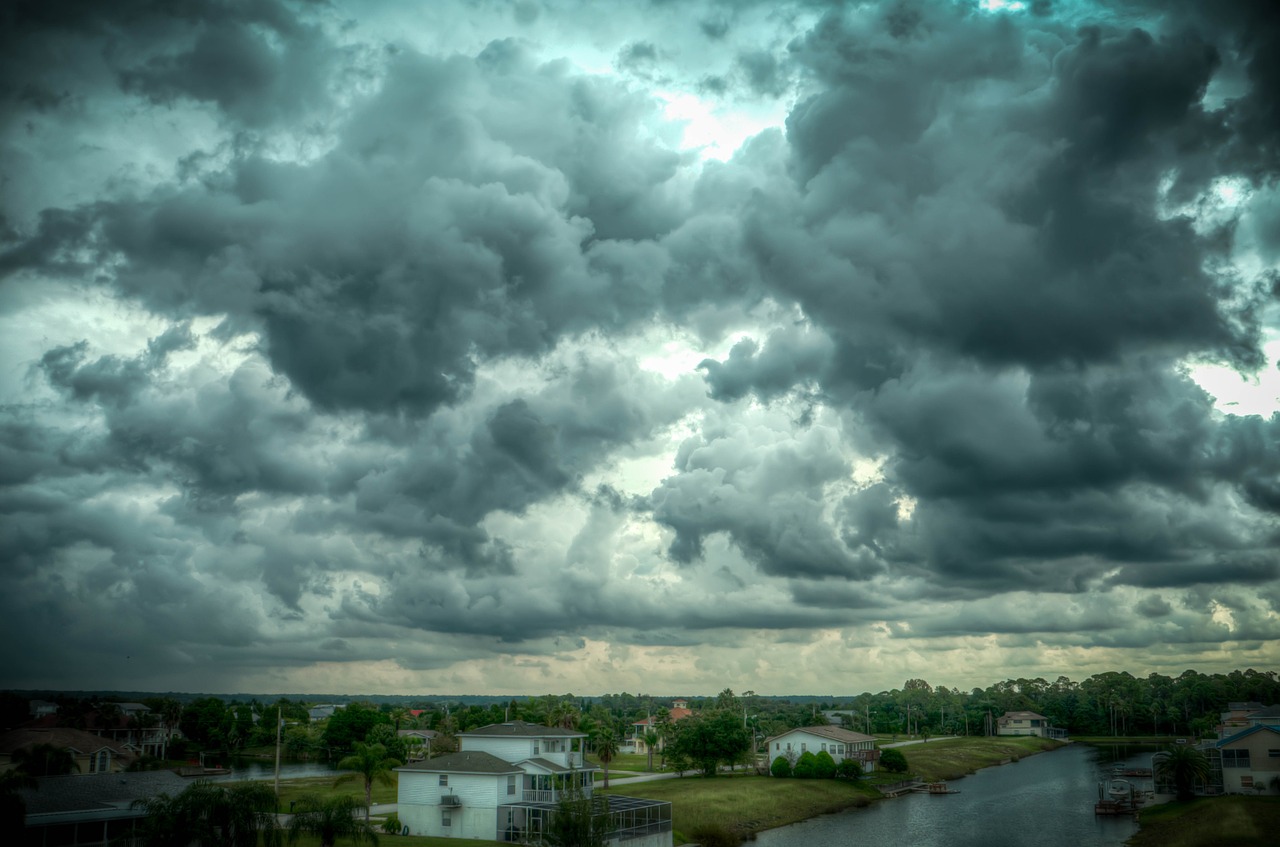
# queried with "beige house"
point(1251, 761)
point(92, 754)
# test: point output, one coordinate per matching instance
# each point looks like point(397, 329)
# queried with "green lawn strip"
point(322, 786)
point(1234, 821)
point(747, 804)
point(630, 762)
point(953, 758)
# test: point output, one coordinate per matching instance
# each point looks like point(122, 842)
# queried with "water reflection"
point(259, 769)
point(1043, 800)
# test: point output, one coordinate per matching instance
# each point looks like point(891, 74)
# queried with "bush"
point(806, 766)
point(780, 767)
point(714, 835)
point(893, 761)
point(392, 824)
point(849, 769)
point(824, 766)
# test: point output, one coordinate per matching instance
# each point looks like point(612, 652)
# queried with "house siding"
point(1262, 766)
point(419, 804)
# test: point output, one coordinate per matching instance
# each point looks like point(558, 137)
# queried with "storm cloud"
point(514, 348)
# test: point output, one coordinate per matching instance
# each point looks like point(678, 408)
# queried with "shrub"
point(806, 766)
point(714, 835)
point(824, 766)
point(849, 769)
point(893, 761)
point(780, 767)
point(392, 824)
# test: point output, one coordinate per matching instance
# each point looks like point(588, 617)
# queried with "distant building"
point(1028, 723)
point(319, 713)
point(636, 744)
point(91, 753)
point(41, 708)
point(1250, 760)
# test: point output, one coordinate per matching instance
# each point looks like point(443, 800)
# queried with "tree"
point(331, 818)
point(780, 767)
point(848, 769)
point(606, 744)
point(650, 741)
point(824, 766)
point(893, 761)
point(13, 809)
point(351, 724)
point(579, 821)
point(1183, 766)
point(210, 815)
point(369, 763)
point(709, 739)
point(386, 735)
point(44, 760)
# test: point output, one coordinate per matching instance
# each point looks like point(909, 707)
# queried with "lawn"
point(747, 804)
point(952, 758)
point(630, 762)
point(292, 789)
point(1210, 822)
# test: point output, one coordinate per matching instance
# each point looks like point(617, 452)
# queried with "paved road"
point(917, 741)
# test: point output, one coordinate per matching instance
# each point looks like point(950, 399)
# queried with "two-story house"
point(1028, 723)
point(505, 783)
point(1250, 760)
point(836, 741)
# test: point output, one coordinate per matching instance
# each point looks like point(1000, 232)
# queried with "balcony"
point(450, 800)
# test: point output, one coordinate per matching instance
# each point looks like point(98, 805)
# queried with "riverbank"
point(1234, 821)
point(953, 758)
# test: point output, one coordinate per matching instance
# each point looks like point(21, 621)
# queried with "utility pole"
point(279, 723)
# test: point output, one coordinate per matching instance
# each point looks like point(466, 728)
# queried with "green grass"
point(292, 789)
point(954, 757)
point(626, 762)
point(385, 840)
point(1210, 822)
point(748, 804)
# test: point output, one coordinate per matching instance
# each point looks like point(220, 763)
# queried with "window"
point(824, 746)
point(511, 785)
point(777, 746)
point(444, 779)
point(446, 818)
point(803, 746)
point(535, 748)
point(1246, 782)
point(1235, 758)
point(1273, 754)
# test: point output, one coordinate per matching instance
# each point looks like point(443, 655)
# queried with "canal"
point(1046, 800)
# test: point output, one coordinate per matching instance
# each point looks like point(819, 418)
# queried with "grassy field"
point(954, 757)
point(1210, 822)
point(629, 762)
point(292, 789)
point(747, 804)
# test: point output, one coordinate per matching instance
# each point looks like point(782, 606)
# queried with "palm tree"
point(606, 748)
point(44, 760)
point(371, 763)
point(1185, 766)
point(330, 819)
point(209, 815)
point(13, 808)
point(650, 741)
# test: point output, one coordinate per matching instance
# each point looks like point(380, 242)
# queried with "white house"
point(840, 743)
point(1027, 723)
point(506, 782)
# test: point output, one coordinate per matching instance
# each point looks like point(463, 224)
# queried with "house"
point(505, 783)
point(1027, 723)
point(1235, 718)
point(1250, 760)
point(90, 811)
point(41, 708)
point(636, 744)
point(92, 754)
point(840, 743)
point(319, 713)
point(418, 742)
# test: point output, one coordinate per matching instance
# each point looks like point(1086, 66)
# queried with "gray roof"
point(468, 761)
point(835, 733)
point(552, 767)
point(1269, 712)
point(521, 729)
point(99, 792)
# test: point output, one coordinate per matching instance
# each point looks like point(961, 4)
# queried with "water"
point(259, 769)
point(1045, 800)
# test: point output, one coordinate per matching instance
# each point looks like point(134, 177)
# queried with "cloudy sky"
point(545, 346)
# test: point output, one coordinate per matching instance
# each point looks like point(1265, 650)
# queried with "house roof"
point(675, 714)
point(417, 733)
point(835, 733)
point(468, 761)
point(62, 737)
point(1262, 727)
point(1022, 716)
point(98, 791)
point(522, 729)
point(552, 767)
point(1268, 712)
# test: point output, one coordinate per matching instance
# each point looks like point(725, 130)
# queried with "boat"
point(935, 789)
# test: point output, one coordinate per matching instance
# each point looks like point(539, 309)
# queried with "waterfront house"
point(505, 783)
point(1028, 723)
point(838, 742)
point(1250, 760)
